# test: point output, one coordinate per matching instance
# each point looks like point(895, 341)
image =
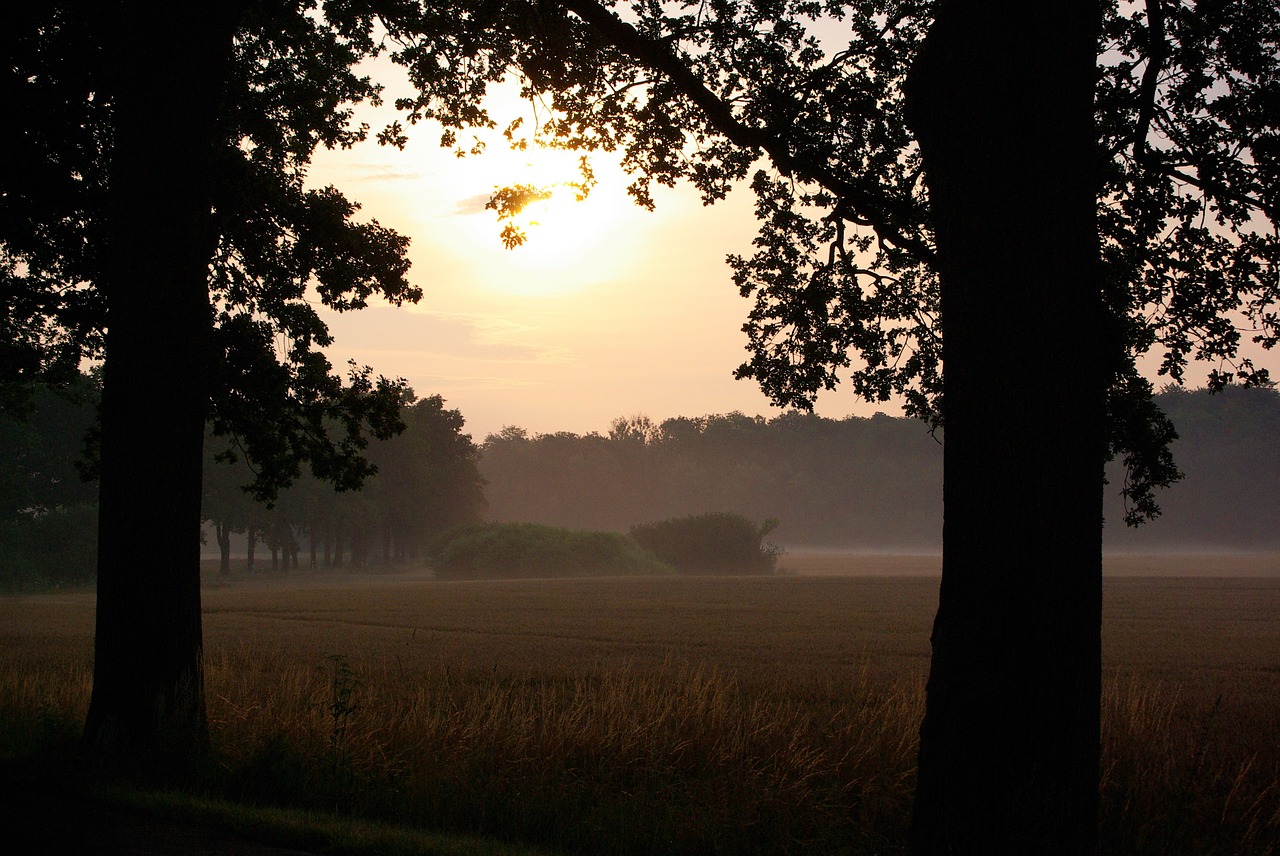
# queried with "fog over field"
point(871, 484)
point(837, 562)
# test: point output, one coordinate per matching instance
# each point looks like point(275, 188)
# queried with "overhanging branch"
point(883, 211)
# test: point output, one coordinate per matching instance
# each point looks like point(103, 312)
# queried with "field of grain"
point(678, 715)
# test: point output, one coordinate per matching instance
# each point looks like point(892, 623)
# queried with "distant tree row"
point(716, 543)
point(427, 483)
point(1228, 452)
point(48, 506)
point(829, 482)
point(866, 482)
point(870, 483)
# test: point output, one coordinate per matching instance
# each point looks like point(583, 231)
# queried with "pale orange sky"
point(607, 311)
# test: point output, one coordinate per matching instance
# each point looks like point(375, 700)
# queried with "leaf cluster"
point(712, 543)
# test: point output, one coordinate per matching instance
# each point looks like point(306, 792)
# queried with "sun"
point(561, 229)
point(568, 240)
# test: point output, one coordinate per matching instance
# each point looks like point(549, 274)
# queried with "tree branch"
point(1158, 52)
point(658, 56)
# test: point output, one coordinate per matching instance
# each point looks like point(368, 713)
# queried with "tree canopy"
point(872, 484)
point(278, 247)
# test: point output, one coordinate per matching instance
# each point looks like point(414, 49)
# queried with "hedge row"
point(523, 550)
point(701, 544)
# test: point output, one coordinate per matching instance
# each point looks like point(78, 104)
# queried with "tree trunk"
point(251, 546)
point(168, 62)
point(1001, 100)
point(223, 533)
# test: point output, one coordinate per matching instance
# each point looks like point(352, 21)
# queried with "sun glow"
point(568, 242)
point(561, 230)
point(565, 241)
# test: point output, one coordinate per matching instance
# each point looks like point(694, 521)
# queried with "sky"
point(608, 310)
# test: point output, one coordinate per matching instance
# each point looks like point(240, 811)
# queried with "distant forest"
point(857, 483)
point(868, 483)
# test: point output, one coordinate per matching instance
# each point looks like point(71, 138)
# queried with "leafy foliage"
point(519, 550)
point(421, 483)
point(52, 548)
point(48, 517)
point(715, 543)
point(831, 482)
point(49, 450)
point(279, 246)
point(868, 483)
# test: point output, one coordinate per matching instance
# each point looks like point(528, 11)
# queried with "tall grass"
point(678, 758)
point(1178, 777)
point(668, 714)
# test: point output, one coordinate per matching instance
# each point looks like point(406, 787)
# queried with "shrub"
point(716, 543)
point(522, 550)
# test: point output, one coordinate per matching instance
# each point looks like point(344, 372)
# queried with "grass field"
point(679, 715)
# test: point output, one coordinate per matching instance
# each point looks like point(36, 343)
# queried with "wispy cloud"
point(478, 382)
point(369, 173)
point(472, 204)
point(406, 337)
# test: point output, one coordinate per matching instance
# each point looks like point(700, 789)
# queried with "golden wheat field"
point(687, 715)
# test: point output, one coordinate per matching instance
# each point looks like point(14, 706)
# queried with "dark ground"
point(40, 820)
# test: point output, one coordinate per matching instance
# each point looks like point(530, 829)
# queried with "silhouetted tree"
point(1084, 184)
point(427, 480)
point(155, 216)
point(1230, 496)
point(49, 445)
point(224, 502)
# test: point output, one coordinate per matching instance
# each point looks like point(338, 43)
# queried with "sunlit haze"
point(607, 309)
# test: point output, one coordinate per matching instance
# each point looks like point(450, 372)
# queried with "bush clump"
point(715, 543)
point(525, 550)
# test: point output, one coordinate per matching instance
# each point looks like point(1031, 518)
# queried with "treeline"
point(48, 498)
point(862, 483)
point(867, 483)
point(427, 483)
point(1229, 453)
point(829, 482)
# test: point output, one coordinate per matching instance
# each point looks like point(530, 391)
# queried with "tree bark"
point(1001, 101)
point(223, 533)
point(168, 64)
